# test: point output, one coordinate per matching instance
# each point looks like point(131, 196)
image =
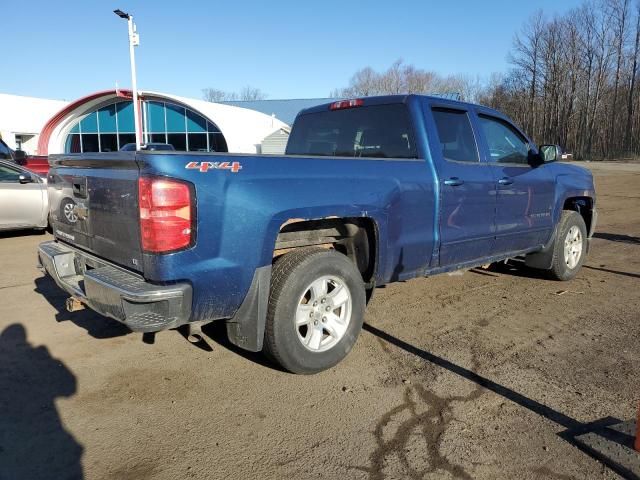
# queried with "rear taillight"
point(166, 214)
point(342, 104)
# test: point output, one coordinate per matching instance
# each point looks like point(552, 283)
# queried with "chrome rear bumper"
point(115, 292)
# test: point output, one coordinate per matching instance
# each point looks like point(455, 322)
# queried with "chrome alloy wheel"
point(573, 247)
point(323, 313)
point(70, 213)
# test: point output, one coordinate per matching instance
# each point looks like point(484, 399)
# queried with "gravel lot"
point(473, 375)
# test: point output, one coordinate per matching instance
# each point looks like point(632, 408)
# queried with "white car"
point(23, 198)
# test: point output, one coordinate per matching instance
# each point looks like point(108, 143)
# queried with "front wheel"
point(316, 307)
point(570, 248)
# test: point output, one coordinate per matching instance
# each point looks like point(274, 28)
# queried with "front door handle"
point(505, 181)
point(453, 182)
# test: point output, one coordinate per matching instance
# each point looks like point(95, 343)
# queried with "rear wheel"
point(570, 246)
point(316, 306)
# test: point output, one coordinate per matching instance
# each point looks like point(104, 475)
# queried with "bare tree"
point(252, 93)
point(247, 93)
point(215, 95)
point(619, 12)
point(527, 50)
point(399, 78)
point(632, 83)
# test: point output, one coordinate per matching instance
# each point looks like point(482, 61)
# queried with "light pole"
point(134, 41)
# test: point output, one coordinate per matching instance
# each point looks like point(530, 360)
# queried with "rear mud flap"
point(246, 328)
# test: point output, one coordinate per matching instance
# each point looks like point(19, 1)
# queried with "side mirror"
point(25, 179)
point(550, 153)
point(19, 155)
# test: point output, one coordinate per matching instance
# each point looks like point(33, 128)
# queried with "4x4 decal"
point(235, 167)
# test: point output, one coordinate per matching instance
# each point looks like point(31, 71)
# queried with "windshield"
point(382, 131)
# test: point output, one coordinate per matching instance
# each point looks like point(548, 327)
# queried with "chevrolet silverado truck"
point(288, 249)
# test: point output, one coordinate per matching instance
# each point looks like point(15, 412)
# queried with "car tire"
point(316, 308)
point(570, 246)
point(66, 211)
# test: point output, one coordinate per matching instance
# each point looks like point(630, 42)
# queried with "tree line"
point(573, 80)
point(246, 93)
point(402, 78)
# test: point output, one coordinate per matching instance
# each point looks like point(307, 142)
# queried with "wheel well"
point(582, 205)
point(354, 237)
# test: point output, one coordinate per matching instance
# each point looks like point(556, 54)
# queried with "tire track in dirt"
point(430, 424)
point(429, 416)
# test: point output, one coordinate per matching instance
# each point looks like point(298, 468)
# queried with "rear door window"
point(379, 131)
point(456, 135)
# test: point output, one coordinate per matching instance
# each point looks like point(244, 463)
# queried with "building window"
point(111, 127)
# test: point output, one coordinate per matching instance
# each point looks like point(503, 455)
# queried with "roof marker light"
point(342, 104)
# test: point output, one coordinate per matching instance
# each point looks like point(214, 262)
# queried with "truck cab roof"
point(406, 98)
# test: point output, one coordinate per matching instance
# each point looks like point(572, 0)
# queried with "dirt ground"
point(475, 375)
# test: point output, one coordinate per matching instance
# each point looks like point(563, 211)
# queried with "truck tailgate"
point(93, 201)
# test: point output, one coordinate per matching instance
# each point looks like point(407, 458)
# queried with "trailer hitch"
point(74, 304)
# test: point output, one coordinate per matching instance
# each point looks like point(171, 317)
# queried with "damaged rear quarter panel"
point(240, 214)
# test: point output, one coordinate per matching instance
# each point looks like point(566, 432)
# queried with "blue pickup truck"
point(288, 249)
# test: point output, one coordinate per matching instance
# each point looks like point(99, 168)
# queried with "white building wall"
point(8, 137)
point(25, 115)
point(276, 143)
point(30, 143)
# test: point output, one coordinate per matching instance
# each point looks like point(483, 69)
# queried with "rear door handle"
point(453, 182)
point(505, 181)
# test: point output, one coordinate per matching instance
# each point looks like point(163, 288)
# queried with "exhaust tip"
point(194, 332)
point(195, 337)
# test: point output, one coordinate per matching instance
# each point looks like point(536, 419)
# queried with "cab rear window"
point(378, 131)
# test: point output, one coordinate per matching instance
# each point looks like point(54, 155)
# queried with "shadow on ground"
point(22, 233)
point(95, 324)
point(103, 327)
point(33, 442)
point(573, 427)
point(616, 272)
point(516, 268)
point(615, 237)
point(217, 332)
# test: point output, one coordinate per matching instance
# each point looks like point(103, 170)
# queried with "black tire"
point(560, 270)
point(290, 279)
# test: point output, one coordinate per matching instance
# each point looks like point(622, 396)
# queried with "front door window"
point(505, 144)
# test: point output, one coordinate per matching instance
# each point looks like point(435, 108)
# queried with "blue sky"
point(288, 49)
